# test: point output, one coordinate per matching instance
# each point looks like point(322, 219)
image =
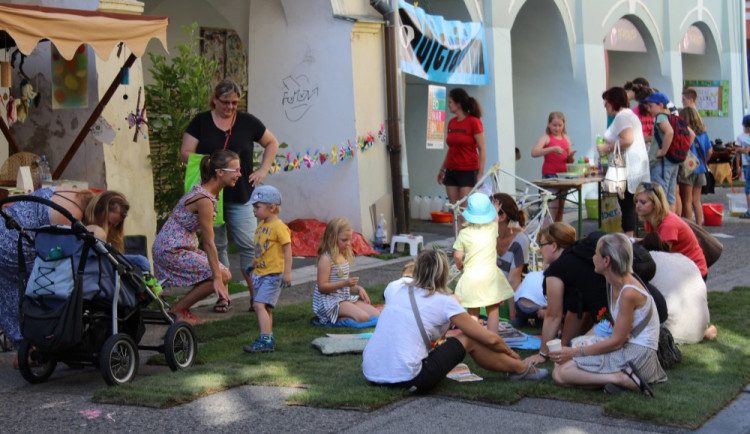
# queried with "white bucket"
point(737, 204)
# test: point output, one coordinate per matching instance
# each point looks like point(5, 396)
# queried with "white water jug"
point(416, 202)
point(437, 204)
point(425, 208)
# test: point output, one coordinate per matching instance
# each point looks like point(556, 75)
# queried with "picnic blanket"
point(348, 322)
point(342, 344)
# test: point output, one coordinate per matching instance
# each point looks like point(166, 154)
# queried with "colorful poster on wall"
point(451, 52)
point(713, 97)
point(435, 117)
point(70, 79)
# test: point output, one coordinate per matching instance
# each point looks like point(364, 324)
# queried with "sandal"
point(537, 374)
point(635, 376)
point(188, 317)
point(222, 305)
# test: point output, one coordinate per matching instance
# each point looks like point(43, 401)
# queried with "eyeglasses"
point(229, 103)
point(544, 244)
point(237, 170)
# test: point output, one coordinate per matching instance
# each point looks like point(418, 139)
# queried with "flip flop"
point(222, 305)
point(613, 389)
point(635, 376)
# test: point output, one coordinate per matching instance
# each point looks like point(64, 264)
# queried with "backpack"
point(667, 353)
point(681, 143)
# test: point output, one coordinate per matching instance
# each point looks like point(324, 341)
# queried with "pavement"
point(63, 403)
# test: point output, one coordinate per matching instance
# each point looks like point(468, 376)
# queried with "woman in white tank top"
point(627, 359)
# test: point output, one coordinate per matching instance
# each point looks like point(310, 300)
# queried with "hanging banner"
point(70, 79)
point(435, 117)
point(451, 52)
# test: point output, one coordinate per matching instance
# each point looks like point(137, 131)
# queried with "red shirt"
point(462, 148)
point(675, 231)
point(555, 163)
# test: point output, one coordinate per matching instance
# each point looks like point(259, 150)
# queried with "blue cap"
point(480, 210)
point(658, 98)
point(746, 121)
point(266, 194)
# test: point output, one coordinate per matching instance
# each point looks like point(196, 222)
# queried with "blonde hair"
point(408, 270)
point(693, 119)
point(330, 244)
point(432, 271)
point(97, 213)
point(553, 116)
point(656, 195)
point(559, 232)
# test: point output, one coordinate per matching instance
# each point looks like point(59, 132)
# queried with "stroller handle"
point(76, 224)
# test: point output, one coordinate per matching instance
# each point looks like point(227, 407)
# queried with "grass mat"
point(709, 377)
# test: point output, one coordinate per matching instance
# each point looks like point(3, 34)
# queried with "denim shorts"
point(267, 288)
point(665, 174)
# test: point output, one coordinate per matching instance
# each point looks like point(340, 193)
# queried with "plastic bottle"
point(437, 204)
point(424, 208)
point(603, 162)
point(416, 202)
point(379, 237)
point(43, 172)
point(382, 224)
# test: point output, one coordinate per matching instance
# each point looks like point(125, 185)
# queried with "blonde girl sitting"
point(474, 252)
point(333, 299)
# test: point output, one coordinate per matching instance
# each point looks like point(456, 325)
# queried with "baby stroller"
point(83, 303)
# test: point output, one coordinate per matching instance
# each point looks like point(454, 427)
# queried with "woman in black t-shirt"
point(224, 128)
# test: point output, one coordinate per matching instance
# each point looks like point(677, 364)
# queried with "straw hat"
point(480, 210)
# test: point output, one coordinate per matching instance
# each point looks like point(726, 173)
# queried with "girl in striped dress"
point(337, 295)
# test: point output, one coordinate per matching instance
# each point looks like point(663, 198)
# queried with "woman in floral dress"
point(177, 259)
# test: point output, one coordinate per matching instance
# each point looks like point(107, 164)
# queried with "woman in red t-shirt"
point(464, 163)
point(651, 205)
point(554, 146)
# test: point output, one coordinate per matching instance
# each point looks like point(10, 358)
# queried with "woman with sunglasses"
point(223, 127)
point(651, 205)
point(177, 258)
point(574, 291)
point(627, 359)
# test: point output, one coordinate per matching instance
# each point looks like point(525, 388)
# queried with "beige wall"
point(368, 68)
point(126, 164)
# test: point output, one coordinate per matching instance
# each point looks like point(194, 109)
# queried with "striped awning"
point(69, 28)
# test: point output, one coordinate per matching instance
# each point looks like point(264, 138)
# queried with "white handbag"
point(616, 178)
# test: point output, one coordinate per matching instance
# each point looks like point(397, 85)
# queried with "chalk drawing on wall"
point(299, 95)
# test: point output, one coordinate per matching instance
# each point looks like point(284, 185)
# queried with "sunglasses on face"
point(237, 170)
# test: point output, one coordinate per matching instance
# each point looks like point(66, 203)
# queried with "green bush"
point(181, 90)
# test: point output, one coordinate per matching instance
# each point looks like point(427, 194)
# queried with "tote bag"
point(616, 179)
point(688, 166)
point(193, 176)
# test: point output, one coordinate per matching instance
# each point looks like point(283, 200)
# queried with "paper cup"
point(554, 345)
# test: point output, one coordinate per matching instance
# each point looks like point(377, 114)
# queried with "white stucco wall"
point(300, 42)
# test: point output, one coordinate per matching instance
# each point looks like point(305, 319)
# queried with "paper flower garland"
point(309, 160)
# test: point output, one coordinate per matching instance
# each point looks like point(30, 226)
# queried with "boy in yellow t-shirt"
point(272, 264)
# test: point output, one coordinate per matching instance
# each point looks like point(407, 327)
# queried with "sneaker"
point(531, 373)
point(261, 346)
point(746, 215)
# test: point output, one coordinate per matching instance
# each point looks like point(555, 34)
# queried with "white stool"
point(412, 240)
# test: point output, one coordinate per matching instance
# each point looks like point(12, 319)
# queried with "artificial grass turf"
point(709, 377)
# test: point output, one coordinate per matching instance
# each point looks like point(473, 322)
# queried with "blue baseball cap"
point(266, 194)
point(746, 121)
point(658, 98)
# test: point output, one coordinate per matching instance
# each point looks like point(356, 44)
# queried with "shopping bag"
point(611, 214)
point(616, 179)
point(193, 176)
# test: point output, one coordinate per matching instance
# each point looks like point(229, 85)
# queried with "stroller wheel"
point(118, 359)
point(180, 346)
point(35, 366)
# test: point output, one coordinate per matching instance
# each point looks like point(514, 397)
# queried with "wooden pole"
point(90, 122)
